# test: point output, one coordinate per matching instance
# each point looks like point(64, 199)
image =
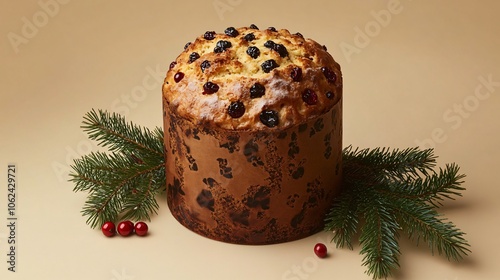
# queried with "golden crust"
point(235, 71)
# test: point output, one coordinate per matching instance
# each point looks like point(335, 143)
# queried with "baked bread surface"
point(250, 79)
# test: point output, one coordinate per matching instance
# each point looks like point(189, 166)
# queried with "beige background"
point(414, 74)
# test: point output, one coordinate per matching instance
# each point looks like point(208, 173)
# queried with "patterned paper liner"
point(259, 187)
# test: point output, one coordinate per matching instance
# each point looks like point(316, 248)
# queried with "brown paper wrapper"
point(259, 187)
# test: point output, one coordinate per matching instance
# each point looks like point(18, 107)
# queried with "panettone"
point(253, 135)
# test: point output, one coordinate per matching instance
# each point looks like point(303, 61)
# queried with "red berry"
point(309, 97)
point(296, 74)
point(178, 76)
point(320, 250)
point(141, 228)
point(108, 229)
point(329, 74)
point(125, 228)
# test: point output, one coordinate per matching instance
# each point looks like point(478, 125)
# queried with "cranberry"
point(272, 29)
point(257, 90)
point(141, 228)
point(204, 65)
point(329, 74)
point(209, 35)
point(269, 118)
point(320, 250)
point(231, 31)
point(178, 76)
point(325, 48)
point(249, 37)
point(172, 65)
point(108, 229)
point(253, 26)
point(309, 97)
point(330, 95)
point(236, 109)
point(193, 56)
point(269, 65)
point(253, 52)
point(210, 88)
point(296, 74)
point(187, 45)
point(130, 224)
point(299, 34)
point(221, 46)
point(125, 228)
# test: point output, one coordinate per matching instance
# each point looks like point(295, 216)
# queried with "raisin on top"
point(218, 84)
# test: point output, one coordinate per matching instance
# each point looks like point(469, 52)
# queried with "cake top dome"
point(251, 79)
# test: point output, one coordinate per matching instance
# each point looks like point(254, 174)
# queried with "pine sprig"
point(395, 191)
point(111, 130)
point(123, 183)
point(379, 239)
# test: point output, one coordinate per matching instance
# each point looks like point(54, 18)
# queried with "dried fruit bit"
point(325, 48)
point(253, 26)
point(272, 29)
point(221, 46)
point(210, 88)
point(269, 65)
point(299, 34)
point(172, 65)
point(209, 35)
point(257, 90)
point(204, 65)
point(231, 31)
point(253, 52)
point(279, 48)
point(330, 95)
point(269, 118)
point(236, 109)
point(249, 37)
point(309, 97)
point(187, 45)
point(178, 76)
point(193, 56)
point(329, 74)
point(296, 74)
point(320, 250)
point(269, 44)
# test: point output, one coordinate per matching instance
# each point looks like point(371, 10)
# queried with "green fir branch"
point(435, 188)
point(111, 130)
point(123, 183)
point(379, 238)
point(398, 164)
point(394, 191)
point(343, 219)
point(422, 221)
